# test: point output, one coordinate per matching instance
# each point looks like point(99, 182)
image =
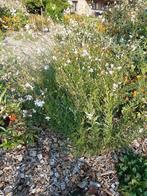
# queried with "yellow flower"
point(134, 93)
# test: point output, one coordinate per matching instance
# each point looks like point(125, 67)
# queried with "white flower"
point(68, 61)
point(89, 115)
point(13, 11)
point(91, 70)
point(25, 112)
point(119, 68)
point(140, 130)
point(85, 53)
point(27, 85)
point(27, 27)
point(29, 97)
point(111, 72)
point(47, 118)
point(46, 67)
point(54, 58)
point(115, 86)
point(34, 111)
point(39, 103)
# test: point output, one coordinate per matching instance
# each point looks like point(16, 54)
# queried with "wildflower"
point(140, 130)
point(27, 27)
point(34, 111)
point(27, 85)
point(91, 70)
point(24, 113)
point(115, 86)
point(85, 53)
point(29, 97)
point(89, 115)
point(47, 118)
point(13, 11)
point(12, 117)
point(39, 103)
point(46, 67)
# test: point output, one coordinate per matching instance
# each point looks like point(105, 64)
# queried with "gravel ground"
point(49, 168)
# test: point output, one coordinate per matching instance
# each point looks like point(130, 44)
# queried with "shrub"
point(9, 110)
point(15, 100)
point(132, 174)
point(96, 91)
point(11, 21)
point(52, 8)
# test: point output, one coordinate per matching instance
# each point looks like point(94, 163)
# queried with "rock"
point(19, 157)
point(1, 172)
point(1, 193)
point(8, 189)
point(57, 175)
point(1, 185)
point(39, 156)
point(52, 162)
point(94, 184)
point(113, 186)
point(83, 184)
point(63, 186)
point(33, 153)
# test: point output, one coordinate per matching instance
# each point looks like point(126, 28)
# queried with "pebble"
point(83, 184)
point(39, 156)
point(63, 186)
point(113, 186)
point(33, 153)
point(95, 184)
point(1, 193)
point(57, 172)
point(19, 157)
point(8, 189)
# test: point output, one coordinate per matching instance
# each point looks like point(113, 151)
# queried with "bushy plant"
point(52, 8)
point(16, 103)
point(11, 19)
point(132, 174)
point(96, 92)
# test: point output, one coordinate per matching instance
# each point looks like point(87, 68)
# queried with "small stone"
point(33, 191)
point(1, 193)
point(57, 175)
point(19, 157)
point(94, 184)
point(112, 191)
point(51, 173)
point(1, 172)
point(8, 189)
point(1, 185)
point(52, 162)
point(113, 186)
point(39, 156)
point(63, 186)
point(33, 153)
point(83, 184)
point(22, 175)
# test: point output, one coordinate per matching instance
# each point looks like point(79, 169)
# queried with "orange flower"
point(12, 117)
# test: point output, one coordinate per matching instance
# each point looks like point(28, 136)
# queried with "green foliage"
point(4, 12)
point(55, 9)
point(52, 8)
point(132, 174)
point(11, 19)
point(96, 92)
